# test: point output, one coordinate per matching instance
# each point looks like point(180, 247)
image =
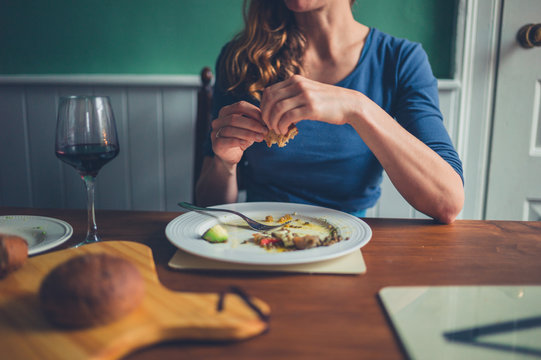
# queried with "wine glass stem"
point(92, 232)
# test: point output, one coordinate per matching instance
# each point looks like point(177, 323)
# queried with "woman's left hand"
point(299, 98)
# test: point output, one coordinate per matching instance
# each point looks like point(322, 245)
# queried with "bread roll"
point(13, 253)
point(91, 289)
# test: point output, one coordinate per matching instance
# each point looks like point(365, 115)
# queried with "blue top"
point(330, 165)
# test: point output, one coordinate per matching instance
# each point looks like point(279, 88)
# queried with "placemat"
point(352, 264)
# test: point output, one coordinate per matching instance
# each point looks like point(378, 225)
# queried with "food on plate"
point(216, 234)
point(13, 253)
point(299, 234)
point(281, 220)
point(91, 289)
point(282, 140)
point(284, 218)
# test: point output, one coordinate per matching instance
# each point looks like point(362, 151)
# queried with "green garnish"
point(216, 234)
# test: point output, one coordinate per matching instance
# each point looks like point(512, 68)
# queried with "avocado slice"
point(216, 234)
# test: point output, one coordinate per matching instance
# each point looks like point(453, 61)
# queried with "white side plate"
point(41, 233)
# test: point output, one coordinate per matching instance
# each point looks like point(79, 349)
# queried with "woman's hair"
point(269, 49)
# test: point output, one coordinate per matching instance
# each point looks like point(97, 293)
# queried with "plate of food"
point(41, 233)
point(313, 234)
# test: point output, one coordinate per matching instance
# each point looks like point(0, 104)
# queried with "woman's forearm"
point(423, 178)
point(217, 183)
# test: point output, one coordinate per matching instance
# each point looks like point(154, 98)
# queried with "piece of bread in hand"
point(274, 138)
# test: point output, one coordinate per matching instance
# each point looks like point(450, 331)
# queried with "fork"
point(251, 223)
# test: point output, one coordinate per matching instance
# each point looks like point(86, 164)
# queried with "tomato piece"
point(268, 241)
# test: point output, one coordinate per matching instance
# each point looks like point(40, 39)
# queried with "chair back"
point(202, 122)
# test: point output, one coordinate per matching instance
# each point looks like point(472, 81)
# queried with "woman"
point(363, 102)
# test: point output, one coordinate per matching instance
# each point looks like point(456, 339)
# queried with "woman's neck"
point(329, 29)
point(334, 40)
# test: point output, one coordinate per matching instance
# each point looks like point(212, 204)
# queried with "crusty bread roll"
point(91, 289)
point(274, 138)
point(13, 253)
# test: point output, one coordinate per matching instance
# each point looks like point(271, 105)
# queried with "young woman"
point(363, 102)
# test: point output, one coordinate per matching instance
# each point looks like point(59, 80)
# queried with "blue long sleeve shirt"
point(330, 165)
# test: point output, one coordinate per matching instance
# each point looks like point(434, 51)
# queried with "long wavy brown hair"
point(269, 49)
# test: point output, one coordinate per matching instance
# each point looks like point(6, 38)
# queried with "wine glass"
point(86, 139)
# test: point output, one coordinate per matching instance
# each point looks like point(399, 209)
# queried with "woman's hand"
point(299, 98)
point(237, 127)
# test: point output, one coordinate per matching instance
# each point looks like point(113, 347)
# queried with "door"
point(514, 184)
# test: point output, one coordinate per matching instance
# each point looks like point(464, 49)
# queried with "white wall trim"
point(150, 80)
point(449, 84)
point(104, 79)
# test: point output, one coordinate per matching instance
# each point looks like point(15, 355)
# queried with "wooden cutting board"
point(163, 315)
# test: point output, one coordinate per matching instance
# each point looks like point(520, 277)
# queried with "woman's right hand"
point(237, 127)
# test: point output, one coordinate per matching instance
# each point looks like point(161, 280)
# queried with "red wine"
point(88, 159)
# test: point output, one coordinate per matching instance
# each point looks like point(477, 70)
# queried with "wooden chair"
point(202, 122)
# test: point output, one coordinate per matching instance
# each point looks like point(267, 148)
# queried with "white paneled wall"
point(155, 120)
point(152, 171)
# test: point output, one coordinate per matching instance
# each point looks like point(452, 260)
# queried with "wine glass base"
point(89, 240)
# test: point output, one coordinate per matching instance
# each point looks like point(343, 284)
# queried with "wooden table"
point(334, 317)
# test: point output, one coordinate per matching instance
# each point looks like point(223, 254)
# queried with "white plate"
point(186, 230)
point(41, 233)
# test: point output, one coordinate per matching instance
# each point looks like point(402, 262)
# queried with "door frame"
point(476, 65)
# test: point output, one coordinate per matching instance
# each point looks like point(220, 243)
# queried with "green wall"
point(176, 36)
